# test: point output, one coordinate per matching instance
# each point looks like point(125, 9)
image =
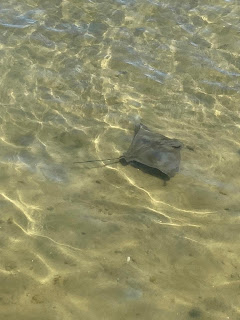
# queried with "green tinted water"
point(90, 242)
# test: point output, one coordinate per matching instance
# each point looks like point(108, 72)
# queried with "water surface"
point(92, 242)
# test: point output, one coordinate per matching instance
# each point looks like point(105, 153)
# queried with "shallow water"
point(92, 242)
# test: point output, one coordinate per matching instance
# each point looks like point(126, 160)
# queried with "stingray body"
point(153, 151)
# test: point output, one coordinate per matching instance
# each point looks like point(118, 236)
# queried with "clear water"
point(92, 242)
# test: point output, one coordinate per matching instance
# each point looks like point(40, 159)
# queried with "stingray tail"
point(96, 160)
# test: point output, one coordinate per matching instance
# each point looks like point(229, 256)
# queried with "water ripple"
point(12, 19)
point(76, 76)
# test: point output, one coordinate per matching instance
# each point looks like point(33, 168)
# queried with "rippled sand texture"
point(87, 241)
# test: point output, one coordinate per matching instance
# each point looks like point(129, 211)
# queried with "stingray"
point(150, 150)
point(152, 153)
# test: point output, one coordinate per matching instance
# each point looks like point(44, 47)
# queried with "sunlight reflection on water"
point(93, 241)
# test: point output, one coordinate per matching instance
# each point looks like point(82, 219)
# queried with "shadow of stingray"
point(146, 169)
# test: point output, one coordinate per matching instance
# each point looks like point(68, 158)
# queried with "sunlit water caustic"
point(88, 241)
